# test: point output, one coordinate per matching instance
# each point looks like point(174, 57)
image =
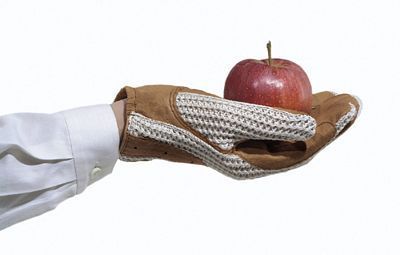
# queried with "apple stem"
point(269, 52)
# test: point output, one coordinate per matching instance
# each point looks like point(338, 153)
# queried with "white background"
point(57, 55)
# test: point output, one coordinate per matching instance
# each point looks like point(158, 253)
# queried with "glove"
point(240, 140)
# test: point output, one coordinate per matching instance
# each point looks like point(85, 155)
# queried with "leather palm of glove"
point(240, 140)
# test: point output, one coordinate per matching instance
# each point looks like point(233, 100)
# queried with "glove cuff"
point(157, 103)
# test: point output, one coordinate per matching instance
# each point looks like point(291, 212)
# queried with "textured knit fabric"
point(228, 164)
point(226, 122)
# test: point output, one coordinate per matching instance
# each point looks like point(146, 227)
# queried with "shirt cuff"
point(94, 137)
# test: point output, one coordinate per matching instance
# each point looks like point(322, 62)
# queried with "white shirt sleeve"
point(47, 158)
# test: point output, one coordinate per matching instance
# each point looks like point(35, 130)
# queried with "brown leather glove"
point(238, 139)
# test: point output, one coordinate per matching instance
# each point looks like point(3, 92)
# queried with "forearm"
point(119, 112)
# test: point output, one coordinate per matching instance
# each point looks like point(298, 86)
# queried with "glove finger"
point(272, 155)
point(226, 122)
point(335, 115)
point(336, 108)
point(348, 119)
point(320, 97)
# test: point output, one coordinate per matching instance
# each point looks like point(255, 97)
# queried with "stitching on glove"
point(134, 159)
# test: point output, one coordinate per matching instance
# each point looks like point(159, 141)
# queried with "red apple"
point(271, 82)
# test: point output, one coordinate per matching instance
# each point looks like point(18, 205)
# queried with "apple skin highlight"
point(271, 82)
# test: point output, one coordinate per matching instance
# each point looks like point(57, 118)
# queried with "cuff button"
point(96, 172)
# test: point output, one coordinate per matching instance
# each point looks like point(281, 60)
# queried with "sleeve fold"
point(47, 158)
